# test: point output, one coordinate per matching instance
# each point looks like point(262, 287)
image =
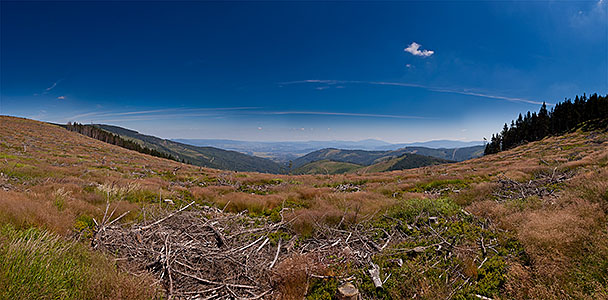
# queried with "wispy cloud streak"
point(48, 89)
point(164, 114)
point(107, 116)
point(413, 85)
point(320, 113)
point(51, 87)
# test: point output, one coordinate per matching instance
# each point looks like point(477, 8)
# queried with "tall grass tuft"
point(37, 264)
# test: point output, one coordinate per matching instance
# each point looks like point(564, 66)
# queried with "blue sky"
point(396, 71)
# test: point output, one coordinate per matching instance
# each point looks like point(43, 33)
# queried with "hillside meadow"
point(525, 223)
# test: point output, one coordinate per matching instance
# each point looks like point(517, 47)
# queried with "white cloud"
point(61, 97)
point(414, 47)
point(408, 66)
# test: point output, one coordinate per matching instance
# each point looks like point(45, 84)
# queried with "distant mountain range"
point(299, 157)
point(366, 158)
point(433, 144)
point(284, 152)
point(334, 161)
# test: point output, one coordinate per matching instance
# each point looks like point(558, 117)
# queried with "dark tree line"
point(563, 117)
point(114, 139)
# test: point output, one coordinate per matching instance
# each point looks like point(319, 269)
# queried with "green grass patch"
point(430, 224)
point(322, 289)
point(23, 172)
point(418, 210)
point(7, 156)
point(569, 147)
point(36, 264)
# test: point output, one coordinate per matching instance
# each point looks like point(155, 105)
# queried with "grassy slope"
point(374, 161)
point(382, 164)
point(201, 156)
point(404, 162)
point(326, 167)
point(549, 247)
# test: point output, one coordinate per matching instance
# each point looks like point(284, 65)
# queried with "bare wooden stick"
point(262, 245)
point(168, 267)
point(256, 297)
point(225, 206)
point(276, 256)
point(249, 245)
point(107, 207)
point(205, 291)
point(167, 217)
point(119, 217)
point(243, 286)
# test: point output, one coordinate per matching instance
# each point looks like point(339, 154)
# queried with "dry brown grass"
point(60, 175)
point(23, 212)
point(237, 202)
point(292, 276)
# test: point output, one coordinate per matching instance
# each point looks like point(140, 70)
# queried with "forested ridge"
point(563, 117)
point(114, 139)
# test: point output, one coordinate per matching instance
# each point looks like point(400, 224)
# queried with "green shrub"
point(85, 225)
point(322, 289)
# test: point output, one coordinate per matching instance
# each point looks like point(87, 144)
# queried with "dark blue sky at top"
point(299, 70)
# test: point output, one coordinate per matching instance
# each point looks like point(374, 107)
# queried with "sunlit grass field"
point(55, 184)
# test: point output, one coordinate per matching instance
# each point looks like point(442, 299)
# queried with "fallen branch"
point(276, 256)
point(167, 217)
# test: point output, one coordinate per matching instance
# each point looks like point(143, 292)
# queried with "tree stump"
point(348, 291)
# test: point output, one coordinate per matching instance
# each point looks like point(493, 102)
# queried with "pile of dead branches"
point(206, 253)
point(200, 253)
point(545, 184)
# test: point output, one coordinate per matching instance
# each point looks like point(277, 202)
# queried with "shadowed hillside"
point(201, 156)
